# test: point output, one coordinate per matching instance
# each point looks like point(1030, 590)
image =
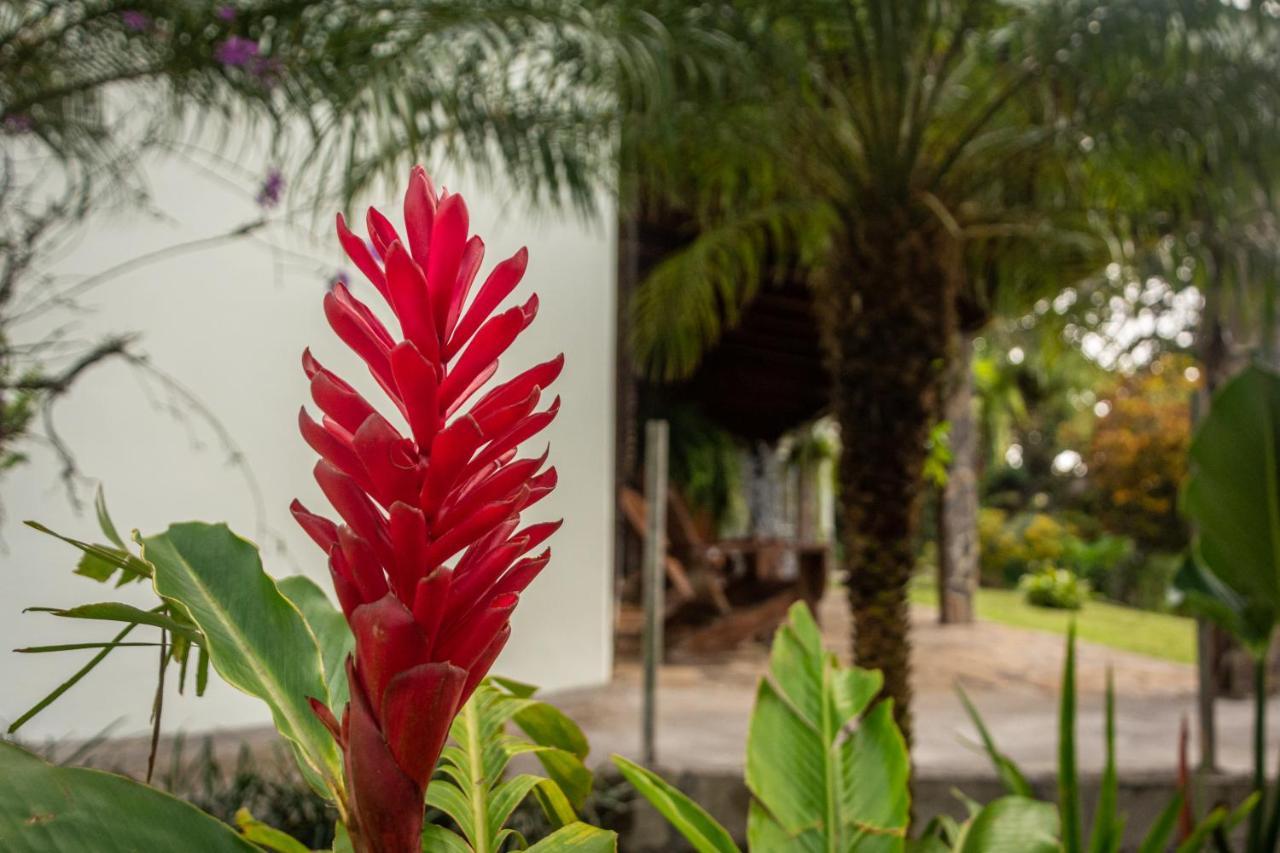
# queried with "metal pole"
point(655, 555)
point(1206, 668)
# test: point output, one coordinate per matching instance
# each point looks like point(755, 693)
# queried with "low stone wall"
point(726, 798)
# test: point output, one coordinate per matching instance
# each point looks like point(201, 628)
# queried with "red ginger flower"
point(427, 626)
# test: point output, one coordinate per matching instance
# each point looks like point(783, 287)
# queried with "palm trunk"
point(958, 507)
point(887, 315)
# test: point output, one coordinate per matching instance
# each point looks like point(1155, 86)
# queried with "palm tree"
point(911, 156)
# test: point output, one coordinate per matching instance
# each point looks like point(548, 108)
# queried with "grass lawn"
point(1157, 634)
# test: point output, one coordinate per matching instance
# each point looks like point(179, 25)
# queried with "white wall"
point(230, 323)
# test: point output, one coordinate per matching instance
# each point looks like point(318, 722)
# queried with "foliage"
point(215, 580)
point(826, 766)
point(1233, 576)
point(1011, 546)
point(1234, 500)
point(1107, 832)
point(45, 807)
point(705, 463)
point(264, 784)
point(1059, 589)
point(1137, 454)
point(472, 790)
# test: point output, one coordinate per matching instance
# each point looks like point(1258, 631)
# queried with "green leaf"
point(76, 647)
point(102, 557)
point(470, 786)
point(577, 838)
point(1012, 825)
point(46, 808)
point(1161, 832)
point(547, 725)
point(1233, 496)
point(72, 681)
point(342, 839)
point(116, 611)
point(257, 640)
point(1068, 780)
point(330, 629)
point(105, 523)
point(1015, 782)
point(1217, 819)
point(510, 793)
point(822, 767)
point(1108, 825)
point(699, 828)
point(437, 839)
point(267, 837)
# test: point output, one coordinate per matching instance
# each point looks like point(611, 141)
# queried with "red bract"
point(431, 558)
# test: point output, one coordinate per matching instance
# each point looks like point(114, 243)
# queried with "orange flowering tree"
point(1137, 455)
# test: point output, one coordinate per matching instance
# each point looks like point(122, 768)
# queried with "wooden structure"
point(720, 594)
point(764, 377)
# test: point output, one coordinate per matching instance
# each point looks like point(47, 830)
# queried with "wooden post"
point(655, 552)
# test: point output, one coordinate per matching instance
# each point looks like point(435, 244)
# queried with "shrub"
point(1012, 546)
point(1059, 589)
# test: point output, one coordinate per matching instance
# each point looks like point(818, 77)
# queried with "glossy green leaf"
point(1233, 496)
point(257, 640)
point(1012, 825)
point(267, 837)
point(45, 808)
point(824, 764)
point(578, 838)
point(330, 629)
point(700, 829)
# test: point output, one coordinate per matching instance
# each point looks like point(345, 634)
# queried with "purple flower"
point(137, 21)
point(226, 13)
point(236, 52)
point(18, 123)
point(269, 192)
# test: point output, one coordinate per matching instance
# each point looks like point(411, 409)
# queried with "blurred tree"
point(1137, 456)
point(919, 160)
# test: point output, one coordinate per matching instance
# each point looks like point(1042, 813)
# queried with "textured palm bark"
point(887, 314)
point(958, 510)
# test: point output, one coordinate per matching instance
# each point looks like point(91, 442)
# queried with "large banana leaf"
point(256, 638)
point(825, 762)
point(1233, 495)
point(45, 808)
